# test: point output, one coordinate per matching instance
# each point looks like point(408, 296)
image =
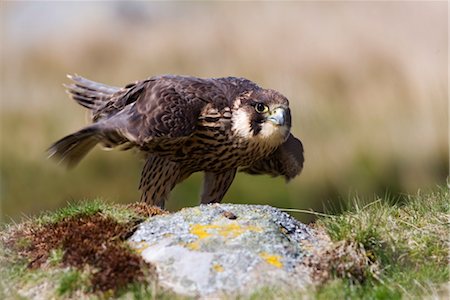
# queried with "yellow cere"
point(272, 259)
point(231, 230)
point(218, 268)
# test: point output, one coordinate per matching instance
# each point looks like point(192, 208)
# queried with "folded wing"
point(286, 161)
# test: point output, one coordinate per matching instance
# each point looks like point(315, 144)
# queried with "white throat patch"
point(241, 124)
point(270, 135)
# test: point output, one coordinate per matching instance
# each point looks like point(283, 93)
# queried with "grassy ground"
point(408, 241)
point(383, 249)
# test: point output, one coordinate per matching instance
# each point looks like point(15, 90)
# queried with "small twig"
point(307, 212)
point(404, 290)
point(440, 222)
point(412, 225)
point(420, 286)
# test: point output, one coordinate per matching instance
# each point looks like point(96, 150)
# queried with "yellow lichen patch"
point(226, 230)
point(218, 268)
point(193, 245)
point(233, 230)
point(200, 230)
point(272, 259)
point(139, 247)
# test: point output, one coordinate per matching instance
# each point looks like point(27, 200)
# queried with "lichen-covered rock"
point(226, 249)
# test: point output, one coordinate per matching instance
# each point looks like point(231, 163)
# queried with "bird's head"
point(262, 115)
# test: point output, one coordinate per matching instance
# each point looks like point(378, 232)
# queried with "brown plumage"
point(185, 125)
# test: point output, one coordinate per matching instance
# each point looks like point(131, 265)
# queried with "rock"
point(226, 249)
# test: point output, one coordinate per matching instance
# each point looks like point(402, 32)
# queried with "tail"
point(89, 94)
point(72, 148)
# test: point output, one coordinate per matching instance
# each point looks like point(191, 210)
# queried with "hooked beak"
point(278, 116)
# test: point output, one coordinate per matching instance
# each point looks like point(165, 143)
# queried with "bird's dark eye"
point(261, 108)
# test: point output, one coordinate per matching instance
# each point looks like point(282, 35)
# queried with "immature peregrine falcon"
point(185, 125)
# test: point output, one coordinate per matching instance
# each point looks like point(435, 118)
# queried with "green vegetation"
point(117, 212)
point(383, 249)
point(408, 240)
point(69, 282)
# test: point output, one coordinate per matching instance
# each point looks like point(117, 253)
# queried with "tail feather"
point(88, 93)
point(92, 85)
point(84, 99)
point(72, 148)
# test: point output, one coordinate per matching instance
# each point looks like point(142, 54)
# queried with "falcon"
point(183, 125)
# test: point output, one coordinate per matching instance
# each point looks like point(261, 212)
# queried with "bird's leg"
point(158, 178)
point(215, 185)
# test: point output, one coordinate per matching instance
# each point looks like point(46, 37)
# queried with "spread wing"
point(286, 161)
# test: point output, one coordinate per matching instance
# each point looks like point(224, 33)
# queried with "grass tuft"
point(72, 209)
point(407, 239)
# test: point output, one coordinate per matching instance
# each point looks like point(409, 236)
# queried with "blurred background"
point(367, 83)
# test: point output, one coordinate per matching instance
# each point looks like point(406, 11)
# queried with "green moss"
point(55, 257)
point(57, 279)
point(22, 242)
point(88, 207)
point(69, 282)
point(72, 209)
